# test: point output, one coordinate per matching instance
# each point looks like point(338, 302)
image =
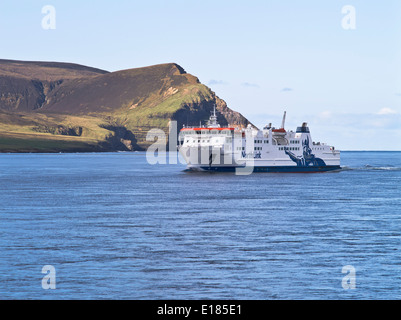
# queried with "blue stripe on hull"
point(288, 169)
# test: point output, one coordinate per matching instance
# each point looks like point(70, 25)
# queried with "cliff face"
point(79, 106)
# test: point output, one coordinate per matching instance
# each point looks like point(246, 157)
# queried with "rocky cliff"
point(52, 107)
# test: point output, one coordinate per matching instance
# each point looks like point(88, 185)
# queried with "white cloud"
point(247, 84)
point(217, 82)
point(325, 115)
point(386, 111)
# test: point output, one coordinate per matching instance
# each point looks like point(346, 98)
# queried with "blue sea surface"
point(115, 227)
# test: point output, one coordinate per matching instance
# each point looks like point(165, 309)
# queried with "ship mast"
point(283, 122)
point(212, 123)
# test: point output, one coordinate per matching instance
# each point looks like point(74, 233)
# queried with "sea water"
point(112, 226)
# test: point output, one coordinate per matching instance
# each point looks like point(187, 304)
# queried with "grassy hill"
point(53, 107)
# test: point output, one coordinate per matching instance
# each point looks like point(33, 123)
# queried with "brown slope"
point(46, 71)
point(110, 92)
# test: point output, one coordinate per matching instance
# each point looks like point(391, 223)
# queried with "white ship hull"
point(230, 162)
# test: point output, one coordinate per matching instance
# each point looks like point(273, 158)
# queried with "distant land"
point(65, 107)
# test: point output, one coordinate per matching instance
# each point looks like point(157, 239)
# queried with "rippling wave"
point(368, 167)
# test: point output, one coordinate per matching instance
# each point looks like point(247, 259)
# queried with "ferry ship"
point(214, 148)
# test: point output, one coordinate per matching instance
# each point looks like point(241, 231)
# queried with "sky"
point(336, 68)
